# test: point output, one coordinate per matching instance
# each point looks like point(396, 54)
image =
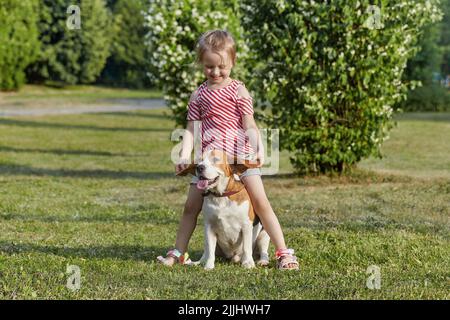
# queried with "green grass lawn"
point(98, 191)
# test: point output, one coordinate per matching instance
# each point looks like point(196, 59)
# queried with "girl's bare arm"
point(188, 141)
point(251, 128)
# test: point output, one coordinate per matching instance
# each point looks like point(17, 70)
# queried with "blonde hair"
point(216, 41)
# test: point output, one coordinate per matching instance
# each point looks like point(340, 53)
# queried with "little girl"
point(223, 104)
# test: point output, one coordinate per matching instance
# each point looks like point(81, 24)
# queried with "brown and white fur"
point(232, 229)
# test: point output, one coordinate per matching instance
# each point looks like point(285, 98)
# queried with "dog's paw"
point(236, 259)
point(262, 263)
point(248, 264)
point(201, 261)
point(209, 265)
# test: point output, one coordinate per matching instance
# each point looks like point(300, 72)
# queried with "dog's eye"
point(215, 160)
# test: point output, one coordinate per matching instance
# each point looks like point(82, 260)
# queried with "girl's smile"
point(217, 68)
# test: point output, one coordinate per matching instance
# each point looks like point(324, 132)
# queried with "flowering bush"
point(174, 28)
point(332, 72)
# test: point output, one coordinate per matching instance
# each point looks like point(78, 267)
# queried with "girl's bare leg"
point(188, 221)
point(261, 204)
point(263, 209)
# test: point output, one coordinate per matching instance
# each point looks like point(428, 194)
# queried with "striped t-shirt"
point(220, 112)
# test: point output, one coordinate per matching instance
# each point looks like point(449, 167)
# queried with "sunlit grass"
point(98, 191)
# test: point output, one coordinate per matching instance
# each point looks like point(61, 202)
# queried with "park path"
point(118, 106)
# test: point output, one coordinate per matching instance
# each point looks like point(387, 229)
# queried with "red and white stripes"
point(220, 112)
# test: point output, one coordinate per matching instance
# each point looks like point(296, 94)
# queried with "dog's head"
point(215, 169)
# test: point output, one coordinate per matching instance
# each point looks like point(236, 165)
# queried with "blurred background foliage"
point(110, 49)
point(149, 44)
point(19, 44)
point(431, 66)
point(71, 56)
point(128, 62)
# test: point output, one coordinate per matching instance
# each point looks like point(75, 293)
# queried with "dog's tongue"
point(202, 184)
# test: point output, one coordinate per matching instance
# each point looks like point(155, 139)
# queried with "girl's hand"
point(260, 157)
point(182, 164)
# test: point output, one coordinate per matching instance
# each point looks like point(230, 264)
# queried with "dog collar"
point(225, 194)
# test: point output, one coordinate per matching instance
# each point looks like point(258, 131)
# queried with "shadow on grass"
point(150, 214)
point(12, 169)
point(353, 176)
point(134, 114)
point(123, 252)
point(95, 218)
point(424, 116)
point(65, 152)
point(289, 175)
point(152, 102)
point(48, 125)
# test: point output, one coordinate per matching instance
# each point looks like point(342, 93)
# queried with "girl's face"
point(216, 69)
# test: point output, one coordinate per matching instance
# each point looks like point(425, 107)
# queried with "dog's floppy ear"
point(189, 170)
point(239, 166)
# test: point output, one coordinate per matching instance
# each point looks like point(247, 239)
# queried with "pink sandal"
point(177, 256)
point(286, 259)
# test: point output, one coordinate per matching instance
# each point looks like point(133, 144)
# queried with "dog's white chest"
point(227, 218)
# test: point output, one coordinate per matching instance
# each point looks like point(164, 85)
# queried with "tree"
point(429, 66)
point(429, 57)
point(444, 42)
point(71, 55)
point(128, 63)
point(18, 41)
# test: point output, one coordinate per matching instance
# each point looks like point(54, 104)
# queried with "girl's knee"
point(194, 201)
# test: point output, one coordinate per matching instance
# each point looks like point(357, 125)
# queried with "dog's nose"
point(200, 168)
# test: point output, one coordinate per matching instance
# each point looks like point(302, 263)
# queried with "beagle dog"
point(232, 229)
